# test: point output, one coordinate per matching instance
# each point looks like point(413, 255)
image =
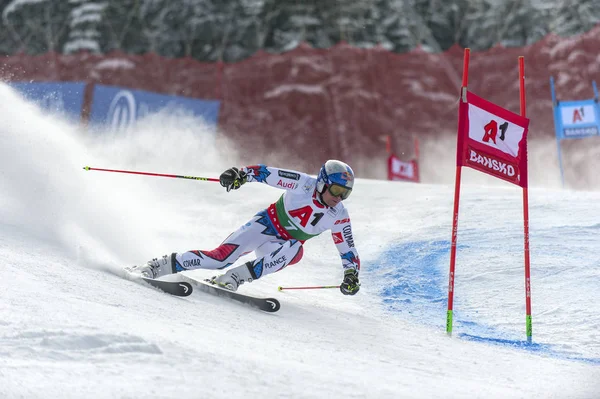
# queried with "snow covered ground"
point(70, 328)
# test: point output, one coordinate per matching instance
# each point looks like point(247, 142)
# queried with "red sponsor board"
point(492, 139)
point(492, 165)
point(402, 170)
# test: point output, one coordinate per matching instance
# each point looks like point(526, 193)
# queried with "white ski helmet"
point(337, 177)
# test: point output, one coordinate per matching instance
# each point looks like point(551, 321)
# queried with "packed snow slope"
point(71, 328)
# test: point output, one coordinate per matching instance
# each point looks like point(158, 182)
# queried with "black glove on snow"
point(233, 178)
point(350, 285)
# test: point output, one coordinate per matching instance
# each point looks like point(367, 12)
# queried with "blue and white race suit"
point(277, 233)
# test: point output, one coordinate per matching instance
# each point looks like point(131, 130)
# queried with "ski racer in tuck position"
point(307, 208)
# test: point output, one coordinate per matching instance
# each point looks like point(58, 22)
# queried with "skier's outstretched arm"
point(291, 180)
point(344, 241)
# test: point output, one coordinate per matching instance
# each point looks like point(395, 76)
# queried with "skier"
point(307, 208)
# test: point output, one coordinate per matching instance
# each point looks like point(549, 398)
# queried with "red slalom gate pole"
point(280, 288)
point(528, 321)
point(152, 174)
point(463, 94)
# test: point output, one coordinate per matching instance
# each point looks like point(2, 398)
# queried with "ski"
point(185, 288)
point(265, 304)
point(174, 288)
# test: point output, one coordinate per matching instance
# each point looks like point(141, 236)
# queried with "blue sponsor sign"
point(120, 108)
point(64, 98)
point(575, 119)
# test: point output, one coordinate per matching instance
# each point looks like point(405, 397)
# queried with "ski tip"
point(280, 288)
point(187, 288)
point(177, 288)
point(272, 305)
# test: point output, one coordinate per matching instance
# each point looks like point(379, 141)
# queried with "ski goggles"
point(339, 191)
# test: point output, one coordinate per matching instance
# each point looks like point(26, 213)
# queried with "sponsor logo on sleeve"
point(289, 175)
point(259, 172)
point(348, 236)
point(342, 221)
point(289, 185)
point(337, 238)
point(352, 259)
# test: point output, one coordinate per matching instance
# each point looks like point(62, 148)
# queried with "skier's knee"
point(222, 252)
point(297, 257)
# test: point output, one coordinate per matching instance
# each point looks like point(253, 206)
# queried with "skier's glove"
point(233, 178)
point(350, 285)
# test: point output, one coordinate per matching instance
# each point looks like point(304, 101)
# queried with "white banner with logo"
point(402, 170)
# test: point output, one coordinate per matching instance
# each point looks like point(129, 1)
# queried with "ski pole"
point(152, 174)
point(280, 288)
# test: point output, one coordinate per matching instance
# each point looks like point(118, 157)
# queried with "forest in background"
point(232, 30)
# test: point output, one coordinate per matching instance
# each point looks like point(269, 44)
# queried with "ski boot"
point(155, 268)
point(235, 277)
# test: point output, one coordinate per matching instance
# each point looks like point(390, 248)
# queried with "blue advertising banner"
point(120, 108)
point(63, 98)
point(575, 119)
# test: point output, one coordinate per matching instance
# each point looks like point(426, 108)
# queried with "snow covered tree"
point(237, 29)
point(172, 28)
point(231, 30)
point(350, 21)
point(84, 20)
point(8, 44)
point(514, 23)
point(444, 20)
point(521, 24)
point(399, 27)
point(121, 27)
point(290, 22)
point(207, 30)
point(37, 26)
point(571, 17)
